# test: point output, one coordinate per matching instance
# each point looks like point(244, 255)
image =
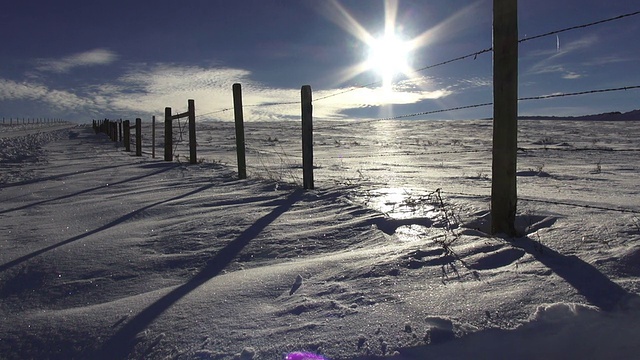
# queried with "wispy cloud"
point(150, 88)
point(146, 89)
point(87, 58)
point(571, 75)
point(59, 99)
point(552, 61)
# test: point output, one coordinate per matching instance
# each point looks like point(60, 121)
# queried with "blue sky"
point(79, 60)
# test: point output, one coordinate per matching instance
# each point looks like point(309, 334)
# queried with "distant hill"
point(611, 116)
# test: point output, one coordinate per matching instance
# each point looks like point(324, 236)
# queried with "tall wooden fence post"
point(127, 135)
point(153, 137)
point(138, 137)
point(113, 131)
point(307, 138)
point(192, 132)
point(505, 116)
point(168, 135)
point(240, 143)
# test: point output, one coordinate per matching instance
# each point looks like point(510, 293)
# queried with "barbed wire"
point(579, 93)
point(473, 55)
point(539, 97)
point(487, 50)
point(580, 26)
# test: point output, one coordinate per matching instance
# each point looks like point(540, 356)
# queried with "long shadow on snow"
point(596, 287)
point(167, 167)
point(59, 176)
point(113, 223)
point(122, 343)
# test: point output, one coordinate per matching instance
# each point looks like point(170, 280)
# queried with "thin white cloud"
point(552, 57)
point(146, 89)
point(571, 76)
point(87, 58)
point(59, 99)
point(151, 88)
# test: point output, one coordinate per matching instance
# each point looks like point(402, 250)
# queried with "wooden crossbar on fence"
point(168, 131)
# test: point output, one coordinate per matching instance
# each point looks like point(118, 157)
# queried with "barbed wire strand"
point(540, 97)
point(459, 58)
point(580, 26)
point(483, 51)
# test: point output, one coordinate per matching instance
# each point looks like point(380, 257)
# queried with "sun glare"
point(388, 56)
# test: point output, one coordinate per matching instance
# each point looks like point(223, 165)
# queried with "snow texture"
point(105, 255)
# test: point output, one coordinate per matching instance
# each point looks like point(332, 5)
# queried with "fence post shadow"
point(120, 345)
point(588, 281)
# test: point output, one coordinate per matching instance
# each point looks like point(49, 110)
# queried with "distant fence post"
point(113, 131)
point(153, 137)
point(192, 131)
point(138, 137)
point(168, 135)
point(127, 136)
point(120, 128)
point(239, 119)
point(505, 116)
point(307, 138)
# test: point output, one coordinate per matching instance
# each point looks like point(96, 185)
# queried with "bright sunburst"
point(388, 56)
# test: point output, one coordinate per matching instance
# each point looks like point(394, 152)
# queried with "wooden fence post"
point(307, 138)
point(168, 135)
point(127, 136)
point(192, 132)
point(239, 119)
point(153, 137)
point(138, 137)
point(505, 116)
point(113, 131)
point(120, 128)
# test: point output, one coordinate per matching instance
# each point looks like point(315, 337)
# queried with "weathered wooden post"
point(168, 135)
point(127, 135)
point(505, 116)
point(153, 137)
point(138, 137)
point(307, 138)
point(113, 131)
point(120, 129)
point(240, 143)
point(192, 131)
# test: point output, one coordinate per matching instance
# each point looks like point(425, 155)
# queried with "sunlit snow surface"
point(108, 255)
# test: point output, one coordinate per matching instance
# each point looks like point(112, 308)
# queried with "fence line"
point(307, 139)
point(473, 55)
point(25, 121)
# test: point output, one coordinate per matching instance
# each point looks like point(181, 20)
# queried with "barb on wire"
point(214, 112)
point(437, 111)
point(354, 88)
point(580, 26)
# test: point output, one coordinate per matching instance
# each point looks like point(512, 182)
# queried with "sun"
point(388, 56)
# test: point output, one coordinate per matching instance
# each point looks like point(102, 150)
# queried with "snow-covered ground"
point(107, 255)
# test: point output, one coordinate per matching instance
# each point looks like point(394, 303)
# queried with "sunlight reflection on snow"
point(400, 203)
